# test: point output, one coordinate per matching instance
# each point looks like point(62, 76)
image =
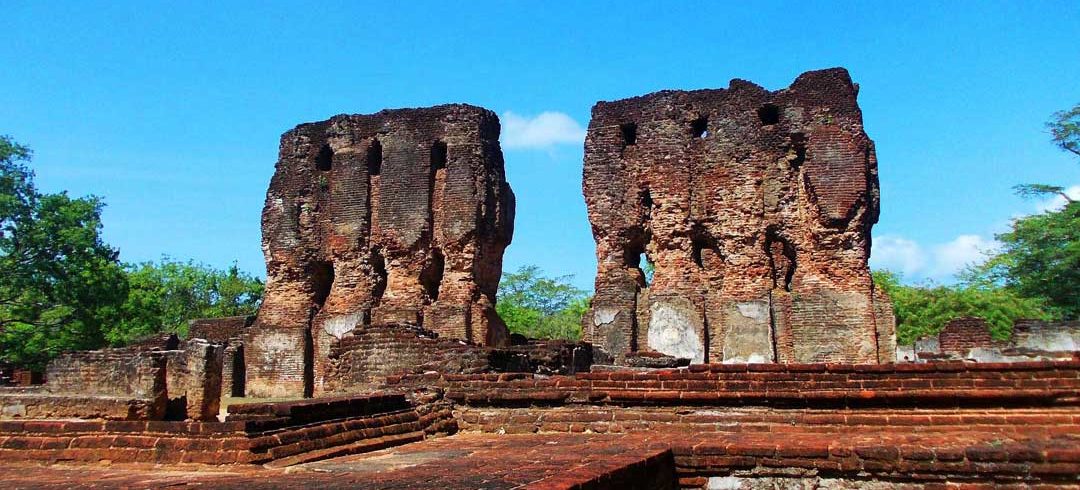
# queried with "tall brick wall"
point(399, 216)
point(755, 208)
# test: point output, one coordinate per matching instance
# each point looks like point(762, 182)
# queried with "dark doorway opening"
point(438, 155)
point(769, 114)
point(699, 128)
point(324, 161)
point(629, 133)
point(378, 266)
point(239, 373)
point(374, 158)
point(431, 277)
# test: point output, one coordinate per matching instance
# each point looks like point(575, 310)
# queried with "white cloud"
point(939, 262)
point(542, 131)
point(1057, 202)
point(952, 257)
point(897, 254)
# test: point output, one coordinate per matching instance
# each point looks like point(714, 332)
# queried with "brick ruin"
point(396, 217)
point(969, 339)
point(755, 209)
point(161, 378)
point(383, 236)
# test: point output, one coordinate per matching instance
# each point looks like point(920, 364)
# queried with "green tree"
point(164, 296)
point(60, 284)
point(1064, 129)
point(1040, 259)
point(537, 306)
point(1040, 255)
point(924, 309)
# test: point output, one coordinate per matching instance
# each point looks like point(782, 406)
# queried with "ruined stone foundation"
point(754, 208)
point(396, 217)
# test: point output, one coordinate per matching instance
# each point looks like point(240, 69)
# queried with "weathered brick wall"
point(276, 433)
point(364, 359)
point(108, 372)
point(194, 380)
point(399, 216)
point(961, 335)
point(219, 330)
point(36, 403)
point(755, 208)
point(233, 371)
point(1046, 336)
point(138, 382)
point(1042, 383)
point(969, 339)
point(361, 361)
point(228, 331)
point(113, 384)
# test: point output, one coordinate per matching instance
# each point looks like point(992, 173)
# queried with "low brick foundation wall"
point(915, 425)
point(792, 385)
point(40, 404)
point(688, 419)
point(286, 432)
point(362, 360)
point(157, 379)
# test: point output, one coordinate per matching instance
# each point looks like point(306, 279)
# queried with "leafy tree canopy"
point(1064, 129)
point(164, 296)
point(63, 288)
point(1040, 255)
point(537, 306)
point(60, 284)
point(1039, 259)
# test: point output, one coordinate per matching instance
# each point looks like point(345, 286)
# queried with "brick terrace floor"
point(559, 460)
point(464, 461)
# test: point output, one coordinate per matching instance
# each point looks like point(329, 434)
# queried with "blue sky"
point(172, 111)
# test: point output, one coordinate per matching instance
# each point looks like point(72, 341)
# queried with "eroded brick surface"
point(968, 339)
point(755, 208)
point(399, 216)
point(977, 456)
point(363, 359)
point(792, 385)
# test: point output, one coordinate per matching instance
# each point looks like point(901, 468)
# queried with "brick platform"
point(279, 433)
point(802, 385)
point(714, 426)
point(968, 459)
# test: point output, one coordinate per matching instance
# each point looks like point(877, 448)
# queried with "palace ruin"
point(383, 236)
point(395, 217)
point(754, 208)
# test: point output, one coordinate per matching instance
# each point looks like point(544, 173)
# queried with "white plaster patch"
point(340, 325)
point(905, 353)
point(1049, 340)
point(724, 483)
point(753, 358)
point(604, 315)
point(757, 310)
point(671, 332)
